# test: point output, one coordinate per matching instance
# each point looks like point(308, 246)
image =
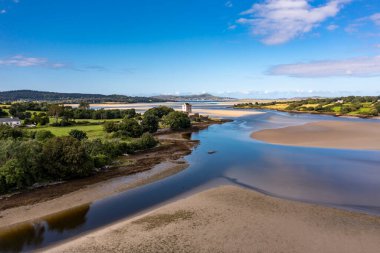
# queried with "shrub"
point(159, 111)
point(9, 132)
point(12, 174)
point(150, 123)
point(43, 135)
point(78, 134)
point(130, 113)
point(66, 157)
point(146, 141)
point(130, 128)
point(177, 120)
point(110, 127)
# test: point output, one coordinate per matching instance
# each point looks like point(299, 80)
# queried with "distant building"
point(13, 122)
point(186, 107)
point(340, 101)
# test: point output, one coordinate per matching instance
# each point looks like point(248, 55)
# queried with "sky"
point(237, 48)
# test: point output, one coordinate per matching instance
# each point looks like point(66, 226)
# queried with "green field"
point(353, 106)
point(93, 131)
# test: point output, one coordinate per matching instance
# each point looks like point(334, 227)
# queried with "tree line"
point(29, 157)
point(31, 95)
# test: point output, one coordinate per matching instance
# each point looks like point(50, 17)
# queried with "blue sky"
point(245, 48)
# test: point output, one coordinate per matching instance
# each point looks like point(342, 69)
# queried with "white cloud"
point(360, 22)
point(232, 27)
point(22, 61)
point(375, 18)
point(3, 11)
point(229, 4)
point(356, 67)
point(332, 27)
point(279, 21)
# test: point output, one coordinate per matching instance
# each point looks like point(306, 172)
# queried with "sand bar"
point(231, 219)
point(142, 107)
point(326, 134)
point(225, 113)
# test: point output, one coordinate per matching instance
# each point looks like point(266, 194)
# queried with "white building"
point(13, 122)
point(186, 107)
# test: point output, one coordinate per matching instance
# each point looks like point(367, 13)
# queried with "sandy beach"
point(225, 113)
point(232, 219)
point(326, 134)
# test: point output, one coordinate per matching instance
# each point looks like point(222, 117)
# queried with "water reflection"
point(68, 220)
point(345, 178)
point(15, 239)
point(32, 235)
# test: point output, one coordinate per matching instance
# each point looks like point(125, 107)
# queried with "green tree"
point(130, 128)
point(130, 113)
point(10, 132)
point(21, 163)
point(146, 141)
point(55, 110)
point(43, 135)
point(3, 113)
point(110, 126)
point(159, 111)
point(377, 106)
point(66, 157)
point(12, 174)
point(150, 123)
point(78, 134)
point(177, 120)
point(84, 105)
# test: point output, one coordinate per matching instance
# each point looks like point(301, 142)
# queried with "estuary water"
point(348, 179)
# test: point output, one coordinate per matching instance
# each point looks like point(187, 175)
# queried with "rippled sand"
point(231, 219)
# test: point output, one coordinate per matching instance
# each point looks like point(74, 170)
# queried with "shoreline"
point(34, 204)
point(325, 134)
point(234, 219)
point(314, 113)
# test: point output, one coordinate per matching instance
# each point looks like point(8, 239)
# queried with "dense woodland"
point(30, 95)
point(35, 155)
point(366, 106)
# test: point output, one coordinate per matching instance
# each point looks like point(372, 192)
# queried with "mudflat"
point(326, 134)
point(232, 219)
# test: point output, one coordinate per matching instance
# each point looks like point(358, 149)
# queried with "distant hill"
point(201, 97)
point(31, 95)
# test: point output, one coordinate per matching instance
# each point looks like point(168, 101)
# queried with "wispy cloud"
point(22, 61)
point(229, 4)
point(278, 21)
point(96, 68)
point(332, 27)
point(360, 22)
point(5, 10)
point(375, 18)
point(355, 67)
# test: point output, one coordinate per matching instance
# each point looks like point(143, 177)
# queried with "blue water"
point(347, 179)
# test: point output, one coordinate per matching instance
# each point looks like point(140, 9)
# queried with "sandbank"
point(231, 219)
point(326, 134)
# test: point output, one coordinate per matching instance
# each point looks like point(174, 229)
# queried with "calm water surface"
point(347, 179)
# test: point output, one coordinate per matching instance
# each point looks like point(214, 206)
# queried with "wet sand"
point(232, 219)
point(225, 113)
point(326, 134)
